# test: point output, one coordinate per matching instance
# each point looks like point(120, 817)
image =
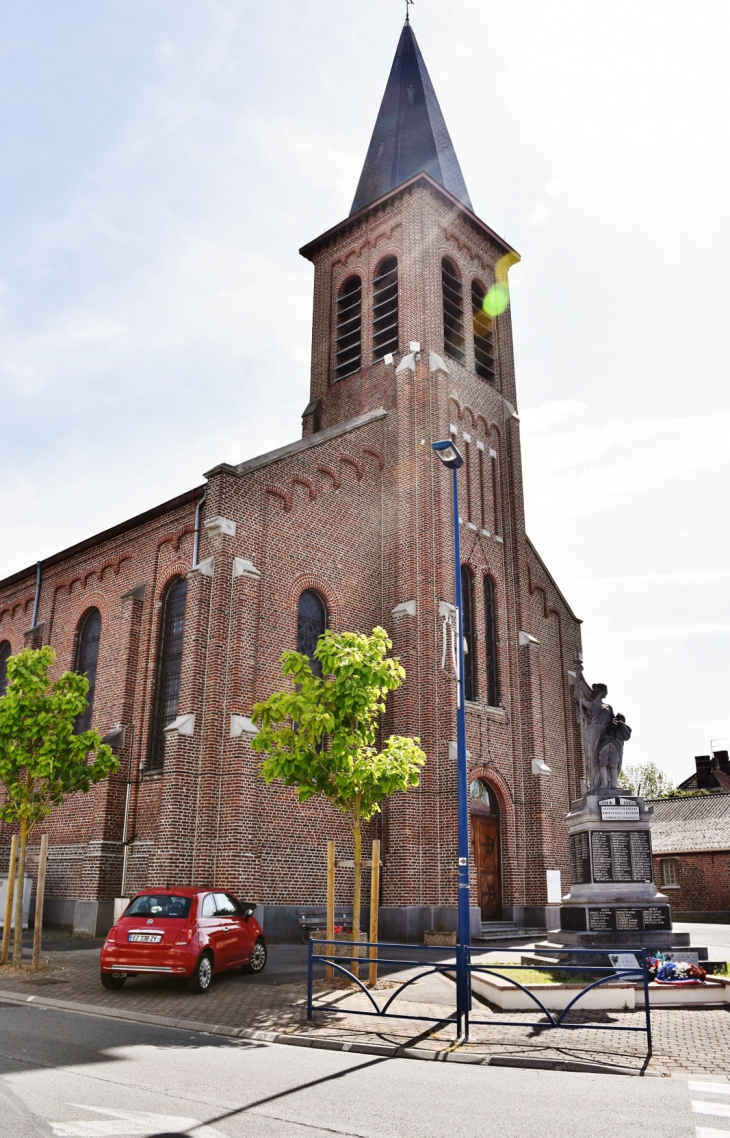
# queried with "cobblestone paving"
point(692, 1041)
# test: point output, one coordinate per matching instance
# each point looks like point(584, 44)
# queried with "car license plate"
point(147, 938)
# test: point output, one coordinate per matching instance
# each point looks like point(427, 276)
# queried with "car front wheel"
point(202, 977)
point(257, 963)
point(113, 980)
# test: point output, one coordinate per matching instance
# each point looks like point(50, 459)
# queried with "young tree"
point(321, 737)
point(646, 779)
point(42, 761)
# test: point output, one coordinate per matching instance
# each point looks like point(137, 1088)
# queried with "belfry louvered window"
point(311, 623)
point(453, 311)
point(348, 341)
point(385, 309)
point(4, 657)
point(468, 632)
point(490, 636)
point(87, 658)
point(483, 335)
point(169, 666)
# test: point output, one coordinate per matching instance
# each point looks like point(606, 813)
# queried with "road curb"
point(382, 1050)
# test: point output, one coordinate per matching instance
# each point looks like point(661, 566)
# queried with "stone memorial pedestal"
point(613, 900)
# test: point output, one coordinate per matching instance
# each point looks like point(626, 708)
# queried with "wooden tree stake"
point(40, 890)
point(9, 899)
point(374, 901)
point(330, 972)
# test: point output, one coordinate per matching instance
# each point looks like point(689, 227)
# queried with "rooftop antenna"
point(408, 4)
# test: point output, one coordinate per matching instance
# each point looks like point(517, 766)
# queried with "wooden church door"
point(484, 811)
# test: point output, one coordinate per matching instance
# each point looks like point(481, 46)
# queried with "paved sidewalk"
point(686, 1041)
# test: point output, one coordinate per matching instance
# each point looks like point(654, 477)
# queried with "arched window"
point(490, 642)
point(348, 342)
point(483, 335)
point(311, 623)
point(482, 799)
point(453, 311)
point(4, 657)
point(169, 663)
point(467, 618)
point(87, 657)
point(385, 309)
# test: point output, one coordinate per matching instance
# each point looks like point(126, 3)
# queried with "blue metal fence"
point(462, 1016)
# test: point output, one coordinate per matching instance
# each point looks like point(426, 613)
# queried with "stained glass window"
point(4, 657)
point(467, 610)
point(87, 657)
point(311, 623)
point(490, 630)
point(169, 664)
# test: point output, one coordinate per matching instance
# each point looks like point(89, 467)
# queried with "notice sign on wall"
point(619, 810)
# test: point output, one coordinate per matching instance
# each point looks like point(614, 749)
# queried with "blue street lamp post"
point(452, 459)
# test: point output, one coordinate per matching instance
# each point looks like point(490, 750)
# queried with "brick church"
point(179, 616)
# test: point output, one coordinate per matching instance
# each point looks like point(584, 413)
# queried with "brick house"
point(179, 616)
point(691, 845)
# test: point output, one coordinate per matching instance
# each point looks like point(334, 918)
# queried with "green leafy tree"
point(321, 737)
point(646, 779)
point(42, 761)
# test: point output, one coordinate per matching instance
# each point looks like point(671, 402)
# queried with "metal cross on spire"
point(408, 4)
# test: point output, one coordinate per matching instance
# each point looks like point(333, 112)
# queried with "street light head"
point(449, 454)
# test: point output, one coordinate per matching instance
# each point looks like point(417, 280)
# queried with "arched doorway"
point(484, 812)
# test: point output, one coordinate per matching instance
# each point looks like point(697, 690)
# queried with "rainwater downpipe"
point(196, 535)
point(37, 594)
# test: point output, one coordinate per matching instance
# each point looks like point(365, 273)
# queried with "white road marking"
point(706, 1132)
point(129, 1124)
point(719, 1109)
point(710, 1088)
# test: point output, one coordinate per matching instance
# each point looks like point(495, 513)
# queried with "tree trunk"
point(18, 939)
point(356, 889)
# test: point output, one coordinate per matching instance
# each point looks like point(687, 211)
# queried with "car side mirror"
point(248, 911)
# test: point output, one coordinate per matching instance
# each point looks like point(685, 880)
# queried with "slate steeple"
point(410, 133)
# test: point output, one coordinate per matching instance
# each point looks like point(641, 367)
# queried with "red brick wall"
point(704, 882)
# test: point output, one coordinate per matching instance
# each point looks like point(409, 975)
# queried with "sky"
point(162, 161)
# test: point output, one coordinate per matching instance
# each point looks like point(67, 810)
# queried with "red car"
point(183, 932)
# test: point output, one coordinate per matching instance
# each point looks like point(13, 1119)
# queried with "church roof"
point(410, 134)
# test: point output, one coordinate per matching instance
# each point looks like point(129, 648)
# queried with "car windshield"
point(159, 905)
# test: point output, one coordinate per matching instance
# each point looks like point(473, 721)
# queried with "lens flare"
point(496, 300)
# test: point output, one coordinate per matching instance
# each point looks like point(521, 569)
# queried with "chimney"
point(704, 772)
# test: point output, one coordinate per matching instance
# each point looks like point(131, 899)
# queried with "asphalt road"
point(80, 1076)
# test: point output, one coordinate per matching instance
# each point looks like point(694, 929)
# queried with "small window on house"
point(4, 657)
point(483, 335)
point(490, 642)
point(670, 872)
point(169, 666)
point(468, 632)
point(87, 657)
point(453, 311)
point(348, 342)
point(311, 623)
point(385, 309)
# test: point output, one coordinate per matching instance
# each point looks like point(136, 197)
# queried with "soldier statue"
point(603, 733)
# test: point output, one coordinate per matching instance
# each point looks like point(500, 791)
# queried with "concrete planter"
point(555, 997)
point(439, 939)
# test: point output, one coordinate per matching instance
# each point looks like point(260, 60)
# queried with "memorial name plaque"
point(605, 919)
point(580, 859)
point(621, 855)
point(619, 810)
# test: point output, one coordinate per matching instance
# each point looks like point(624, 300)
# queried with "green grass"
point(530, 976)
